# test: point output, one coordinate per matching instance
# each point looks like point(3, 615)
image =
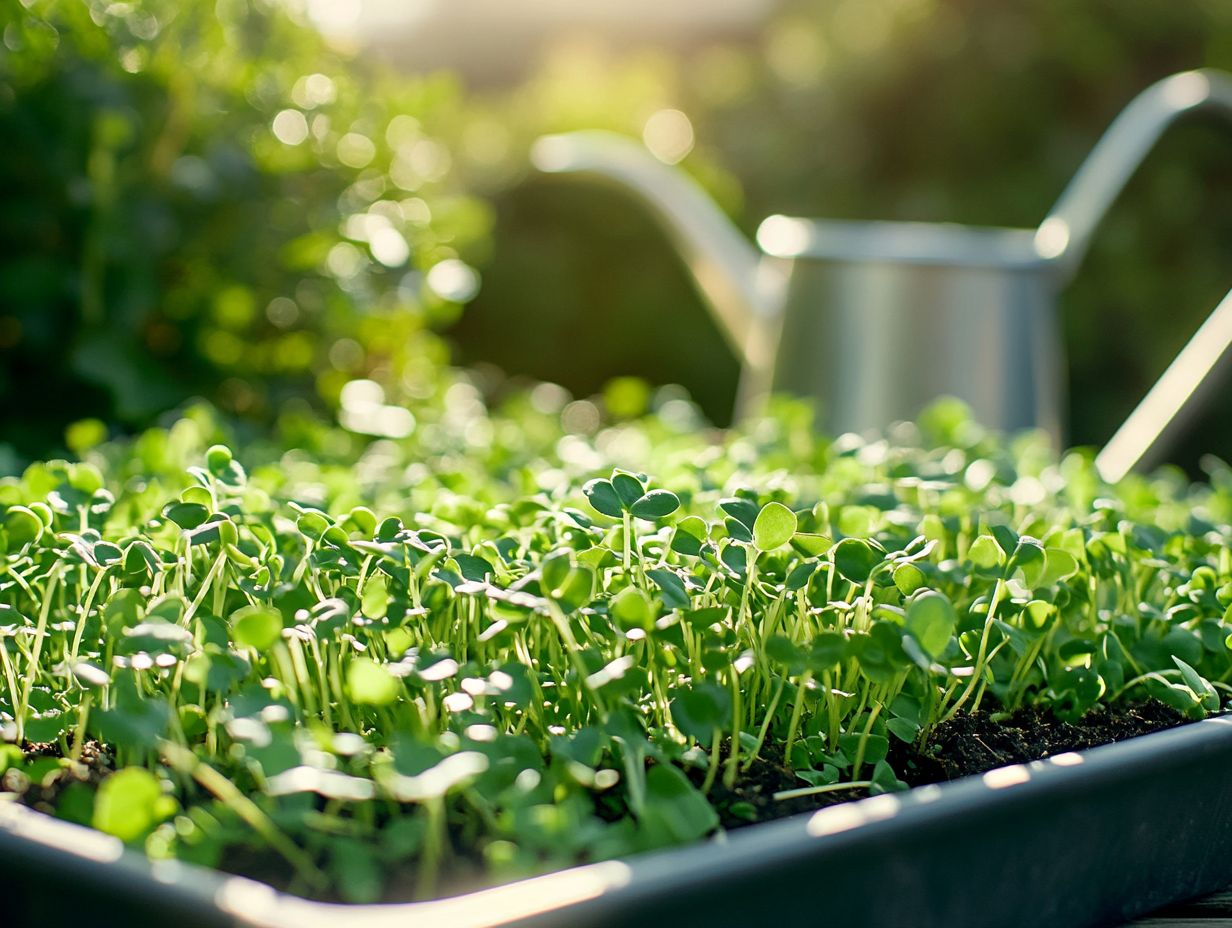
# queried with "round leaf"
point(908, 578)
point(985, 552)
point(22, 526)
point(1061, 565)
point(312, 524)
point(123, 609)
point(811, 544)
point(370, 684)
point(827, 650)
point(700, 710)
point(256, 627)
point(655, 505)
point(782, 651)
point(218, 458)
point(855, 559)
point(129, 804)
point(931, 620)
point(602, 496)
point(627, 487)
point(689, 536)
point(674, 810)
point(186, 515)
point(774, 527)
point(631, 609)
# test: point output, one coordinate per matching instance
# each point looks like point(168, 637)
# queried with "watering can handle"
point(1174, 398)
point(724, 265)
point(743, 292)
point(1065, 234)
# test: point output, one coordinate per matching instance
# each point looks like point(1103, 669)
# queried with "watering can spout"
point(1066, 234)
point(725, 267)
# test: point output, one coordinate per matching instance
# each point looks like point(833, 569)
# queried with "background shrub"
point(206, 199)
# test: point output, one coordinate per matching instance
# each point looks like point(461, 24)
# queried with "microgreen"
point(390, 668)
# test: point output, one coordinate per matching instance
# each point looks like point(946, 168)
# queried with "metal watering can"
point(875, 319)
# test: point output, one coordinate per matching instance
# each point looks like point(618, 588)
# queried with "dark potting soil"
point(970, 743)
point(93, 765)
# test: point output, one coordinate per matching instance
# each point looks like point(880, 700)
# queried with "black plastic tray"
point(1086, 839)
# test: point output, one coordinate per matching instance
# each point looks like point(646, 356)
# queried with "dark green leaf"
point(655, 505)
point(602, 496)
point(855, 559)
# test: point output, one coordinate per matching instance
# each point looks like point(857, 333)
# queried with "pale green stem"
point(978, 671)
point(36, 651)
point(796, 712)
point(79, 734)
point(816, 790)
point(863, 746)
point(713, 769)
point(765, 725)
point(229, 794)
point(206, 584)
point(84, 614)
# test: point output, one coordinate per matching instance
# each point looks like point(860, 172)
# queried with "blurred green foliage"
point(206, 199)
point(936, 110)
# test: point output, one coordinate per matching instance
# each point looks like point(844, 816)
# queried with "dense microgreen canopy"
point(520, 656)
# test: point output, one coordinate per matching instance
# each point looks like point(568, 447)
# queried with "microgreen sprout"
point(389, 668)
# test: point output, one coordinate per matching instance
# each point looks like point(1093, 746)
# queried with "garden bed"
point(391, 681)
point(968, 745)
point(1095, 838)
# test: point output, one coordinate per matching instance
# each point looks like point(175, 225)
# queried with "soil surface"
point(970, 743)
point(92, 766)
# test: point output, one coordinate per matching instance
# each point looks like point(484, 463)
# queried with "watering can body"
point(874, 320)
point(878, 319)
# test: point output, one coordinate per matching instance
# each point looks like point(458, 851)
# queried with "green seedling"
point(378, 673)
